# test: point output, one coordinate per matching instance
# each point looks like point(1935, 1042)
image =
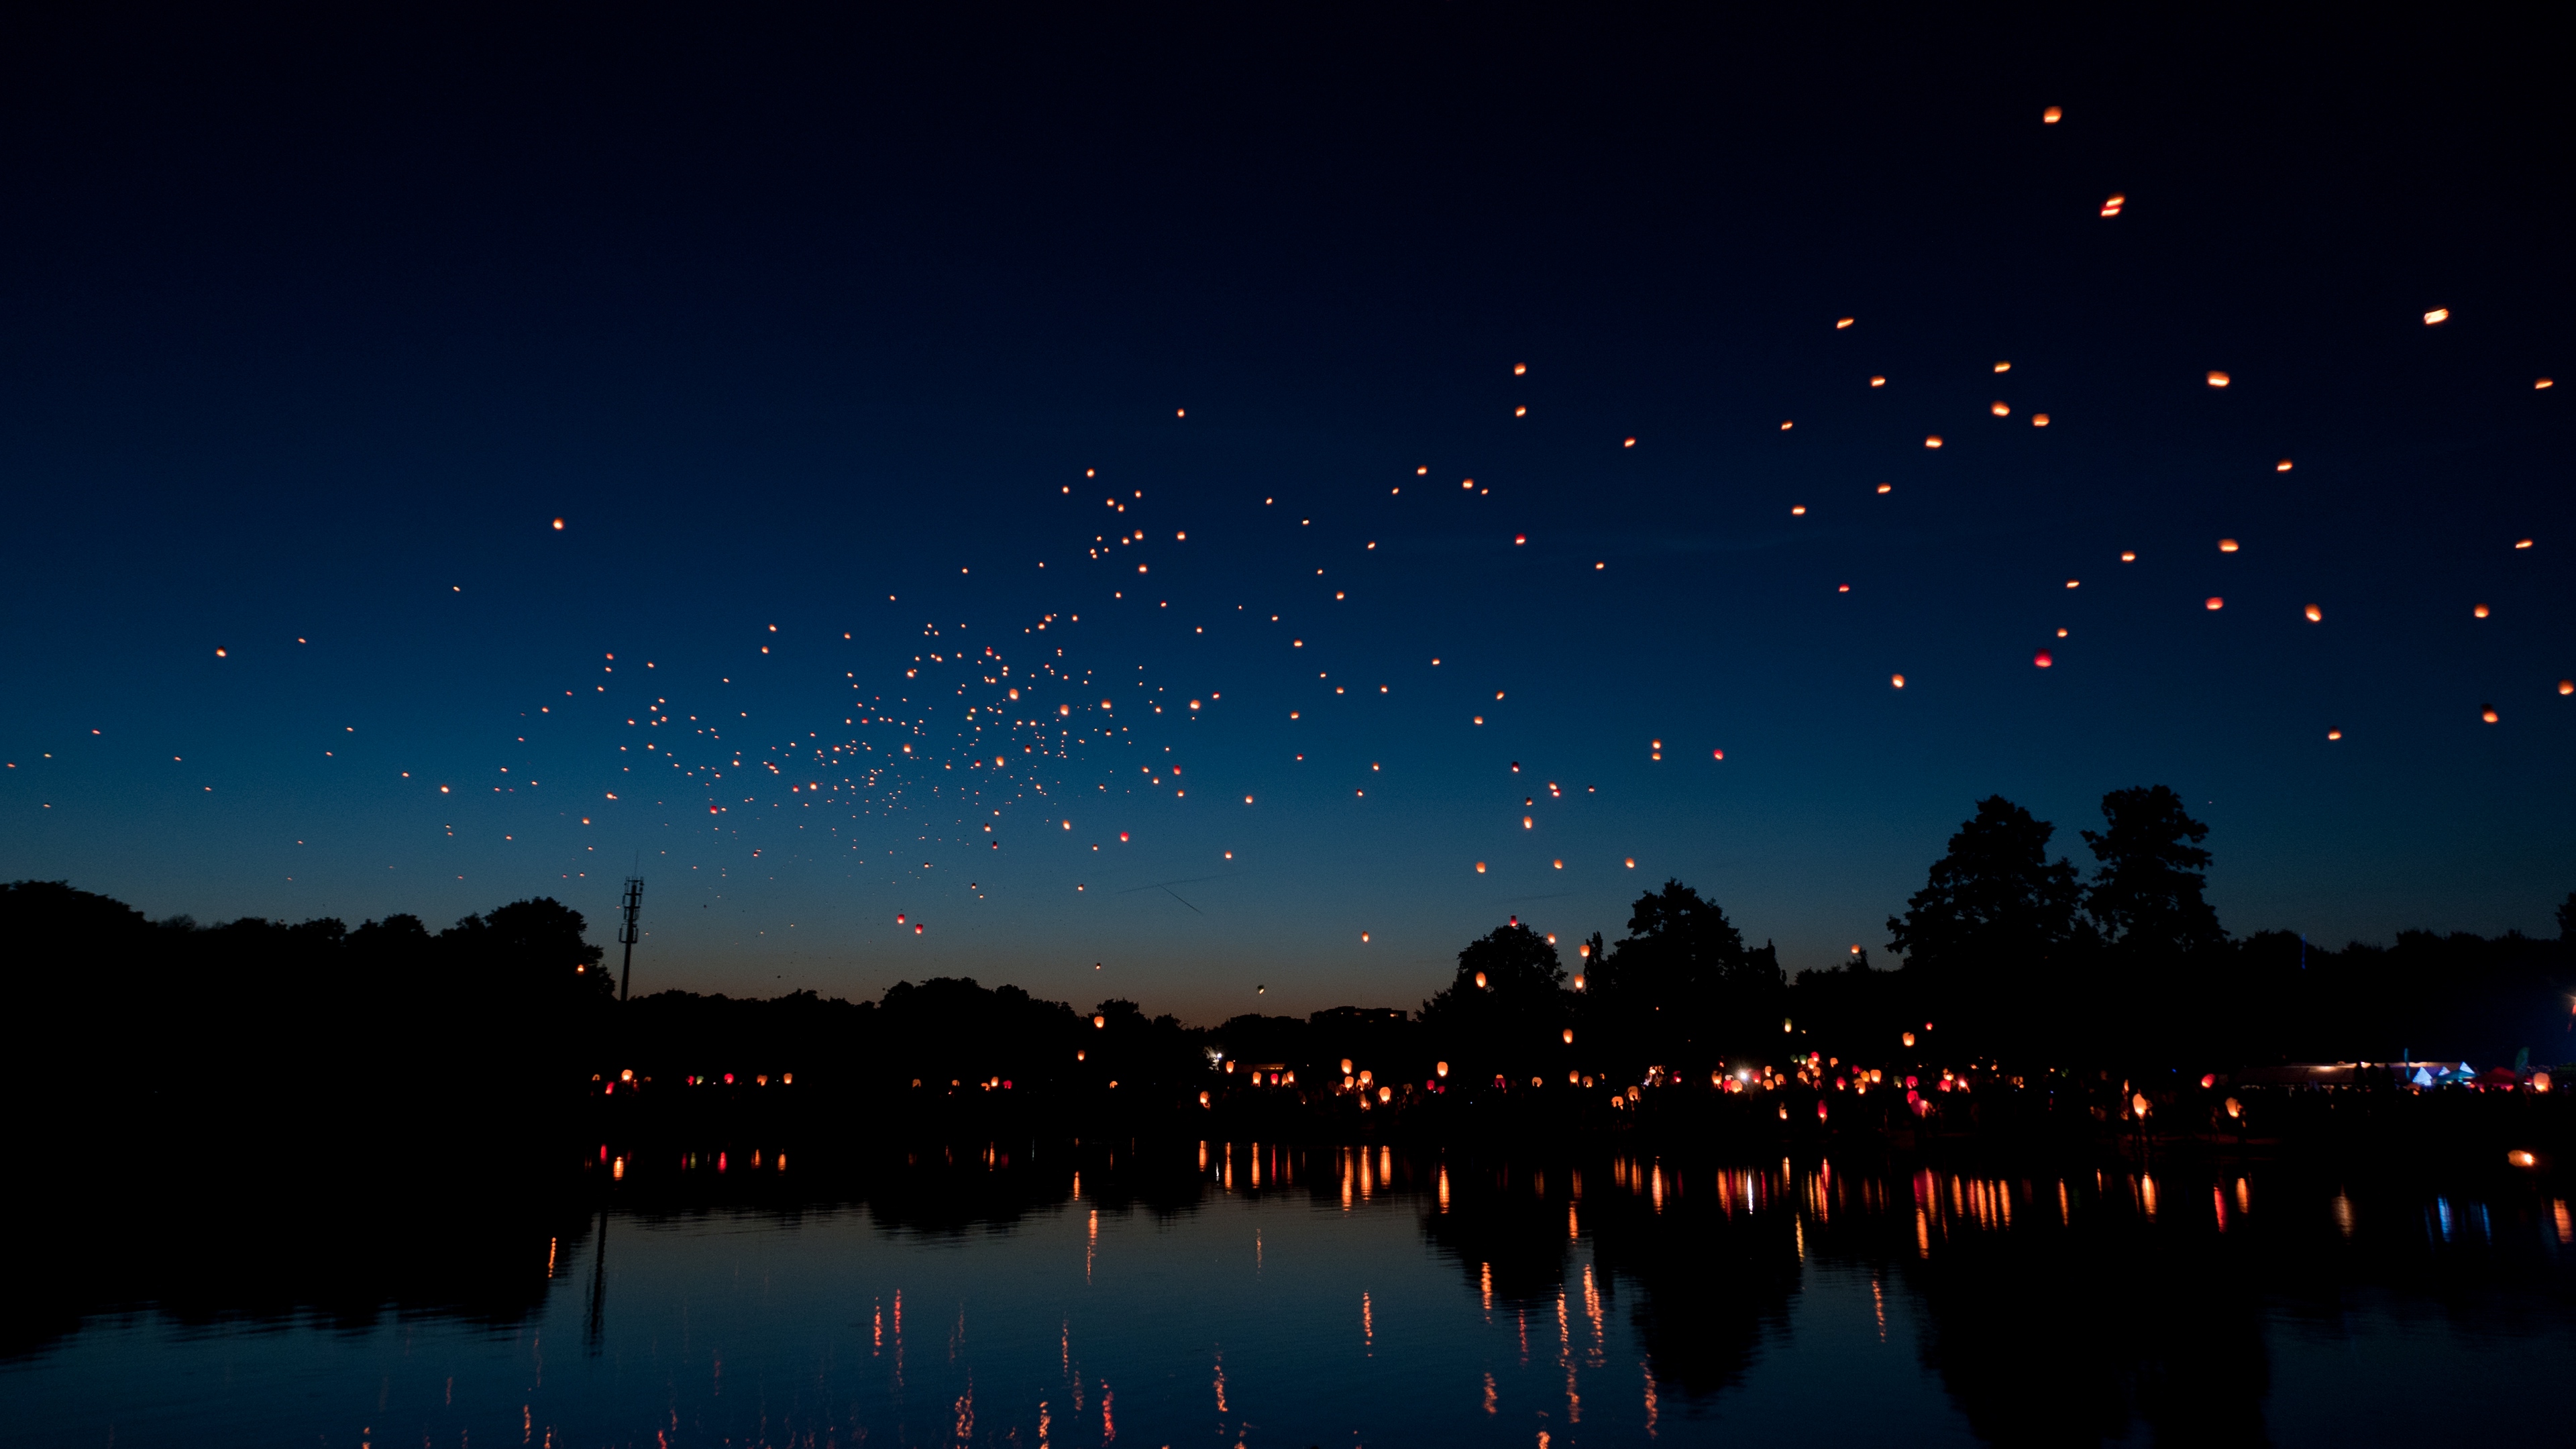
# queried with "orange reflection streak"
point(1485, 1283)
point(1444, 1189)
point(1489, 1391)
point(1878, 1302)
point(1368, 1327)
point(1651, 1407)
point(1220, 1383)
point(1108, 1425)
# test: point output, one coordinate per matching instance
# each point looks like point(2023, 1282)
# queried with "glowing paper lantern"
point(2042, 660)
point(2281, 467)
point(2039, 420)
point(2112, 205)
point(2051, 116)
point(1480, 985)
point(2213, 603)
point(2334, 734)
point(2315, 614)
point(2488, 714)
point(2438, 314)
point(2001, 410)
point(1896, 681)
point(1841, 323)
point(1933, 441)
point(2218, 379)
point(2479, 612)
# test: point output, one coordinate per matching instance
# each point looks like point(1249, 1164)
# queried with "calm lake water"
point(1225, 1294)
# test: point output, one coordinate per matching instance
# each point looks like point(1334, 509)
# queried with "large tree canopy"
point(1992, 937)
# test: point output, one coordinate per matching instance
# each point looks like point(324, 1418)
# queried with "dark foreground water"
point(1223, 1294)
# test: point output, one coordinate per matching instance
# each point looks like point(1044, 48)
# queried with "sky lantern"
point(2042, 659)
point(2219, 379)
point(2111, 205)
point(2334, 734)
point(2039, 420)
point(1364, 938)
point(2488, 714)
point(898, 918)
point(1896, 681)
point(2227, 545)
point(2544, 382)
point(1519, 368)
point(2315, 614)
point(2517, 543)
point(1842, 322)
point(1886, 487)
point(2281, 467)
point(2003, 367)
point(1100, 1023)
point(558, 525)
point(2479, 612)
point(1346, 1066)
point(2001, 410)
point(2051, 116)
point(2128, 556)
point(1880, 380)
point(1797, 510)
point(2437, 315)
point(2567, 686)
point(1630, 443)
point(2213, 603)
point(1909, 1038)
point(1480, 985)
point(2138, 1103)
point(1933, 441)
point(1632, 860)
point(1569, 1036)
point(1480, 867)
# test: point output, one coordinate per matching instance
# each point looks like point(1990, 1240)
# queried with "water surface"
point(1226, 1294)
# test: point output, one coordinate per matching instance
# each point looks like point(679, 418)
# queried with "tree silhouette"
point(1992, 940)
point(1681, 989)
point(2146, 898)
point(1510, 1022)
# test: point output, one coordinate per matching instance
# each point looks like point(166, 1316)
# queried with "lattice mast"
point(633, 905)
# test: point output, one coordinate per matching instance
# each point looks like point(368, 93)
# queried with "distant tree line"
point(2008, 955)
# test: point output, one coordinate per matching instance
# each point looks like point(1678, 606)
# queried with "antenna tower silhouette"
point(632, 904)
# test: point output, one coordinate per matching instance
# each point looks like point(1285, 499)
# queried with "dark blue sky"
point(814, 338)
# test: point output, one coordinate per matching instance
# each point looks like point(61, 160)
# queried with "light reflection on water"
point(1225, 1293)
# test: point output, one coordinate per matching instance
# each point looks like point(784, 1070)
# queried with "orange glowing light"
point(2488, 714)
point(1933, 441)
point(2479, 612)
point(2219, 379)
point(1896, 681)
point(2111, 206)
point(2438, 314)
point(1881, 381)
point(558, 525)
point(2281, 467)
point(2334, 734)
point(1798, 510)
point(2227, 545)
point(2042, 659)
point(2315, 614)
point(2213, 603)
point(1841, 323)
point(2001, 410)
point(2051, 116)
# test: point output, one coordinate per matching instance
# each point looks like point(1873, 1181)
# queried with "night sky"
point(1175, 362)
